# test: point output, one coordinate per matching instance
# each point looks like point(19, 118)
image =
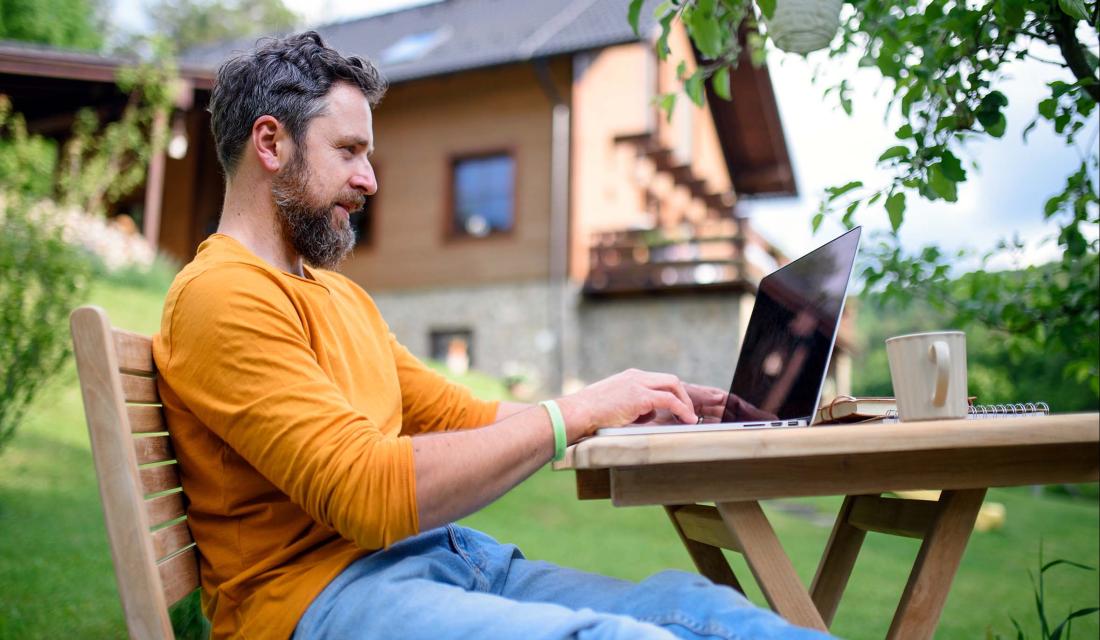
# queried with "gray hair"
point(285, 78)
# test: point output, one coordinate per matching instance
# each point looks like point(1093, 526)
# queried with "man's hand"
point(739, 410)
point(626, 397)
point(708, 402)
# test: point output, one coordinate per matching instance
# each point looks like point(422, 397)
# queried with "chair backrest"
point(156, 563)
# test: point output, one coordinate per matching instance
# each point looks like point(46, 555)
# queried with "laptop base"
point(655, 429)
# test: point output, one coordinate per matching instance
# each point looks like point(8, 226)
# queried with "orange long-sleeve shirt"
point(290, 406)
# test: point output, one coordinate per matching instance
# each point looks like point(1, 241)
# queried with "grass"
point(56, 578)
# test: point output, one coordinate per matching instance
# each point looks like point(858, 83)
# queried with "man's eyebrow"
point(354, 141)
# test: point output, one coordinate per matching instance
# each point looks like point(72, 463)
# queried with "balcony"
point(722, 254)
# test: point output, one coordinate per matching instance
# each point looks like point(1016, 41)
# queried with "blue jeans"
point(455, 582)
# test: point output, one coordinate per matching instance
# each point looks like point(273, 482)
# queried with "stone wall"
point(515, 332)
point(513, 329)
point(696, 337)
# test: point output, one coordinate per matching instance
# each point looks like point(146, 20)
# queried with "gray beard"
point(307, 224)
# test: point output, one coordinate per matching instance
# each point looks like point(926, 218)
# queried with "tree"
point(76, 24)
point(997, 372)
point(942, 62)
point(43, 273)
point(188, 23)
point(42, 277)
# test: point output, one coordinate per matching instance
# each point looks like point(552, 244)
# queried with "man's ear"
point(270, 141)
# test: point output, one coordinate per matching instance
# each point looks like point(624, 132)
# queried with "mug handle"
point(940, 355)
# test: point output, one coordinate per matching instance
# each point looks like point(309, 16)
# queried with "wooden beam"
point(703, 523)
point(850, 474)
point(895, 516)
point(837, 563)
point(593, 484)
point(770, 564)
point(708, 559)
point(154, 183)
point(937, 562)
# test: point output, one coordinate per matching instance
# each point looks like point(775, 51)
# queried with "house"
point(538, 218)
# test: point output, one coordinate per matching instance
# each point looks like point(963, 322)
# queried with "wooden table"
point(736, 469)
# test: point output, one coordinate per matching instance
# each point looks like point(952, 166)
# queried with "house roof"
point(31, 59)
point(456, 35)
point(436, 39)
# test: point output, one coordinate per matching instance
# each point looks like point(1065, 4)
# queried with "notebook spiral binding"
point(980, 411)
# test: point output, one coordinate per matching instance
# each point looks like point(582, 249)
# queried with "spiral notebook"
point(993, 411)
point(849, 409)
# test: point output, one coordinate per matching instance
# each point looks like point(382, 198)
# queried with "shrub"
point(42, 278)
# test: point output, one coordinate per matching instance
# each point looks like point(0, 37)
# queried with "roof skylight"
point(415, 45)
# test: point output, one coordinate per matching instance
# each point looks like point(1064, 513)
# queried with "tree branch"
point(1064, 27)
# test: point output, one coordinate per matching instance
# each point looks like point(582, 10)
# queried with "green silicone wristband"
point(558, 423)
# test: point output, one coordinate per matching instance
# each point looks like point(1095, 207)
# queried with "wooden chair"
point(156, 563)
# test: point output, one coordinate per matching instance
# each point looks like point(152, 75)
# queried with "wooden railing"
point(710, 254)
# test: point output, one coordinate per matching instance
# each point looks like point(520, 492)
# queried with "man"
point(323, 462)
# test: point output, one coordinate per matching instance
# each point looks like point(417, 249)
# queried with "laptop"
point(787, 347)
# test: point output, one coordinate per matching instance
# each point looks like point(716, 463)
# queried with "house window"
point(483, 195)
point(452, 347)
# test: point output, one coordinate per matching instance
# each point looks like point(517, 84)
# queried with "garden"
point(1032, 574)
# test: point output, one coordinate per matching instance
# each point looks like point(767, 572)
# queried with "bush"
point(42, 278)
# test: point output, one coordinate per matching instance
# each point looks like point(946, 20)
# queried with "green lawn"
point(56, 578)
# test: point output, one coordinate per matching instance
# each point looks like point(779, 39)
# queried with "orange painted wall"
point(611, 97)
point(419, 127)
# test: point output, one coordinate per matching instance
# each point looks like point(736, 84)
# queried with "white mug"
point(929, 374)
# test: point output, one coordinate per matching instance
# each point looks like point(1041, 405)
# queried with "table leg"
point(769, 563)
point(938, 560)
point(708, 559)
point(836, 563)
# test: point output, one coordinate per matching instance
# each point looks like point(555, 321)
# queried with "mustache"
point(351, 200)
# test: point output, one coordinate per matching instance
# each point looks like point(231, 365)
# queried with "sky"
point(1003, 197)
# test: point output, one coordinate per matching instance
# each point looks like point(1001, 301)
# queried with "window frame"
point(372, 205)
point(450, 235)
point(464, 332)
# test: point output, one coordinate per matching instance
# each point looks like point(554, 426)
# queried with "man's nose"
point(364, 180)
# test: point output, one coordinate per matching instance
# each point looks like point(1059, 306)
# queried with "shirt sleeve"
point(431, 402)
point(241, 361)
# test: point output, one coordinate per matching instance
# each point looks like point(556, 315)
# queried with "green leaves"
point(895, 208)
point(836, 192)
point(951, 167)
point(899, 151)
point(665, 13)
point(721, 83)
point(943, 66)
point(693, 87)
point(666, 102)
point(1074, 8)
point(989, 113)
point(943, 186)
point(633, 13)
point(703, 27)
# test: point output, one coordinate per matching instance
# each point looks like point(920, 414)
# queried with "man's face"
point(327, 179)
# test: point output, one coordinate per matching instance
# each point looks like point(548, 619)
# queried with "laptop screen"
point(790, 335)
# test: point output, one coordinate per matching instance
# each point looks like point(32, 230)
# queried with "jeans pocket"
point(470, 554)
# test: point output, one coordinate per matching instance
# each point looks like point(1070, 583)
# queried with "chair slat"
point(98, 359)
point(180, 575)
point(139, 389)
point(145, 418)
point(153, 449)
point(164, 508)
point(171, 539)
point(134, 351)
point(157, 479)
